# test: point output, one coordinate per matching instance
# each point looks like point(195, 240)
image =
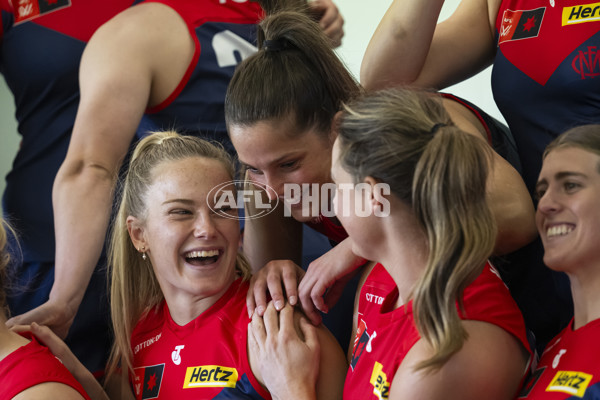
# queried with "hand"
point(61, 351)
point(330, 19)
point(54, 314)
point(288, 363)
point(325, 279)
point(269, 280)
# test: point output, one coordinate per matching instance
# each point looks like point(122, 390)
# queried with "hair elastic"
point(275, 44)
point(436, 127)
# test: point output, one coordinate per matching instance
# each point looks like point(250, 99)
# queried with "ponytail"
point(295, 74)
point(449, 200)
point(405, 138)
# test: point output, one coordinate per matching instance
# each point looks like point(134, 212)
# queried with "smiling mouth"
point(200, 258)
point(559, 230)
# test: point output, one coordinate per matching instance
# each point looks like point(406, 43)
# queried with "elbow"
point(87, 172)
point(516, 228)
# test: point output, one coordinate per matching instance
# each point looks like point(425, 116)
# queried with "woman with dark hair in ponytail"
point(280, 108)
point(411, 193)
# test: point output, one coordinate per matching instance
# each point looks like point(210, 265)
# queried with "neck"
point(585, 286)
point(185, 308)
point(404, 255)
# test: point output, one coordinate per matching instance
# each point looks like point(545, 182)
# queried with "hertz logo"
point(570, 382)
point(581, 14)
point(210, 376)
point(381, 387)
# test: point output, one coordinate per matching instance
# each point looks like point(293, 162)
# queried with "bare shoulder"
point(143, 23)
point(49, 391)
point(490, 365)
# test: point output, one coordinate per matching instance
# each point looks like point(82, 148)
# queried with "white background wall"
point(361, 21)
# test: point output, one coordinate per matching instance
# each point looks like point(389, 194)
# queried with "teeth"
point(559, 230)
point(203, 253)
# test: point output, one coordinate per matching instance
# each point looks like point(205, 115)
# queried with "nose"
point(548, 203)
point(276, 187)
point(204, 226)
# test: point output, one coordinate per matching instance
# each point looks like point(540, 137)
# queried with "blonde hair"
point(134, 288)
point(585, 137)
point(4, 262)
point(406, 139)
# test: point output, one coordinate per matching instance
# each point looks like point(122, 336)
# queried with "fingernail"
point(278, 305)
point(293, 300)
point(260, 310)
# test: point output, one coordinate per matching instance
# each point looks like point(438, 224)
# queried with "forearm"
point(271, 237)
point(398, 49)
point(82, 198)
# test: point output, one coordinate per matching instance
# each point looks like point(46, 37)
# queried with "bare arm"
point(508, 196)
point(410, 47)
point(270, 237)
point(122, 72)
point(490, 365)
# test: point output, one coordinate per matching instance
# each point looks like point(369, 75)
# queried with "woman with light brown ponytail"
point(412, 196)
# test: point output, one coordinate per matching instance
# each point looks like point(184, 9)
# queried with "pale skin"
point(410, 47)
point(133, 62)
point(509, 201)
point(568, 219)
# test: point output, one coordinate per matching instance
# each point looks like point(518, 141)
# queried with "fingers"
point(271, 320)
point(331, 21)
point(259, 292)
point(290, 283)
point(258, 333)
point(309, 332)
point(250, 303)
point(276, 290)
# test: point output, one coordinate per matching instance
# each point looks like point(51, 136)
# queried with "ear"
point(136, 233)
point(378, 196)
point(335, 126)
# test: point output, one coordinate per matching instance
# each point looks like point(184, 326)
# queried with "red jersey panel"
point(379, 350)
point(569, 367)
point(31, 365)
point(205, 359)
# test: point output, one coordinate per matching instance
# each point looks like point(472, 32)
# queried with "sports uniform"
point(568, 368)
point(545, 74)
point(544, 81)
point(205, 359)
point(41, 46)
point(31, 365)
point(224, 32)
point(379, 349)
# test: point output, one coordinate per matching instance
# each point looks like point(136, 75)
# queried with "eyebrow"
point(275, 161)
point(184, 201)
point(559, 176)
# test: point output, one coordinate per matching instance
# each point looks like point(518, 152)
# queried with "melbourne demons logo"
point(586, 63)
point(362, 342)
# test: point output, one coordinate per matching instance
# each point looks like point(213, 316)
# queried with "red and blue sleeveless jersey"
point(546, 74)
point(204, 359)
point(31, 365)
point(224, 33)
point(568, 368)
point(380, 348)
point(41, 43)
